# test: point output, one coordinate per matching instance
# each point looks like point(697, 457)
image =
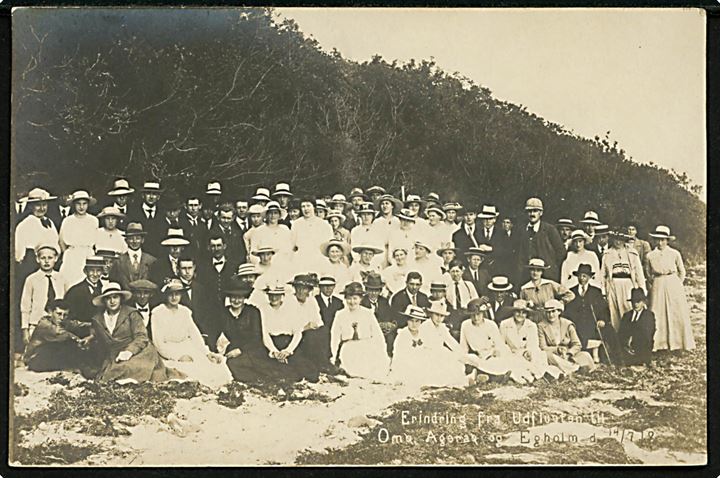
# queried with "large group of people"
point(146, 286)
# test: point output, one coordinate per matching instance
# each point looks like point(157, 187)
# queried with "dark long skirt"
point(315, 348)
point(258, 367)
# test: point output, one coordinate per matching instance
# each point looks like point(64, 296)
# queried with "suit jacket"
point(233, 237)
point(383, 312)
point(464, 242)
point(123, 271)
point(328, 313)
point(545, 244)
point(161, 269)
point(205, 311)
point(584, 311)
point(484, 279)
point(79, 299)
point(55, 216)
point(400, 301)
point(197, 235)
point(156, 228)
point(637, 335)
point(213, 280)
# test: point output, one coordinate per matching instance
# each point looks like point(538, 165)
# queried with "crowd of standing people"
point(151, 286)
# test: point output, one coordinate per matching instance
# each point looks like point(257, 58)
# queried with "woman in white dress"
point(480, 337)
point(357, 343)
point(109, 237)
point(365, 263)
point(577, 254)
point(621, 272)
point(395, 275)
point(335, 265)
point(447, 357)
point(307, 232)
point(179, 342)
point(521, 336)
point(667, 295)
point(77, 237)
point(273, 235)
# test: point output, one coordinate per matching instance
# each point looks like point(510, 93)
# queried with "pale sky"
point(639, 74)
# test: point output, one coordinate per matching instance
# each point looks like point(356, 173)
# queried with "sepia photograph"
point(357, 236)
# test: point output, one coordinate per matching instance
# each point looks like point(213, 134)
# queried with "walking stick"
point(602, 339)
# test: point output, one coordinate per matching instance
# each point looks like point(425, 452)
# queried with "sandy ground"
point(263, 431)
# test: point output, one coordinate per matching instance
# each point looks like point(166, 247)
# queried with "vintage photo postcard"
point(378, 237)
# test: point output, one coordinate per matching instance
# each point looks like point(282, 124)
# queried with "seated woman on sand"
point(179, 342)
point(480, 338)
point(560, 342)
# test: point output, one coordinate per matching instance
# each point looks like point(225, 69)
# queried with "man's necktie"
point(475, 275)
point(413, 299)
point(45, 222)
point(487, 234)
point(135, 263)
point(51, 290)
point(457, 296)
point(355, 335)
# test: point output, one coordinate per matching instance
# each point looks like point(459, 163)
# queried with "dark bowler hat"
point(584, 269)
point(237, 286)
point(306, 280)
point(134, 229)
point(374, 281)
point(637, 294)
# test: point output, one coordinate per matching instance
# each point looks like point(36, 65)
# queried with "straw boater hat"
point(447, 246)
point(366, 247)
point(353, 288)
point(374, 281)
point(110, 211)
point(272, 206)
point(235, 286)
point(423, 244)
point(438, 286)
point(413, 312)
point(261, 194)
point(173, 285)
point(334, 242)
point(500, 284)
point(263, 250)
point(579, 234)
point(276, 289)
point(213, 188)
point(320, 205)
point(108, 289)
point(38, 195)
point(406, 215)
point(134, 229)
point(554, 304)
point(95, 261)
point(151, 187)
point(481, 250)
point(336, 214)
point(662, 232)
point(591, 217)
point(602, 229)
point(437, 307)
point(107, 253)
point(282, 189)
point(436, 209)
point(537, 263)
point(247, 269)
point(47, 245)
point(375, 190)
point(565, 222)
point(621, 235)
point(327, 281)
point(534, 204)
point(306, 280)
point(82, 194)
point(451, 206)
point(396, 203)
point(121, 187)
point(583, 269)
point(488, 211)
point(338, 199)
point(256, 209)
point(142, 284)
point(175, 237)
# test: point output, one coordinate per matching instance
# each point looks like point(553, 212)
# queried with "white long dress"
point(175, 334)
point(525, 338)
point(484, 343)
point(78, 234)
point(446, 356)
point(395, 277)
point(361, 350)
point(621, 271)
point(668, 301)
point(307, 235)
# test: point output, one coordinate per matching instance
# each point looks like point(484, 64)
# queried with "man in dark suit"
point(200, 299)
point(216, 270)
point(600, 243)
point(228, 229)
point(329, 303)
point(79, 297)
point(191, 222)
point(637, 330)
point(149, 213)
point(541, 240)
point(135, 264)
point(120, 195)
point(409, 295)
point(143, 291)
point(591, 315)
point(478, 272)
point(57, 213)
point(467, 235)
point(380, 306)
point(166, 266)
point(492, 235)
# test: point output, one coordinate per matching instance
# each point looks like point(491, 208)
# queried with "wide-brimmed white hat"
point(367, 247)
point(437, 307)
point(488, 211)
point(414, 312)
point(152, 187)
point(537, 263)
point(336, 214)
point(338, 199)
point(213, 189)
point(500, 284)
point(263, 250)
point(82, 194)
point(437, 210)
point(282, 189)
point(110, 211)
point(662, 232)
point(579, 234)
point(108, 289)
point(335, 242)
point(38, 195)
point(175, 237)
point(261, 194)
point(591, 217)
